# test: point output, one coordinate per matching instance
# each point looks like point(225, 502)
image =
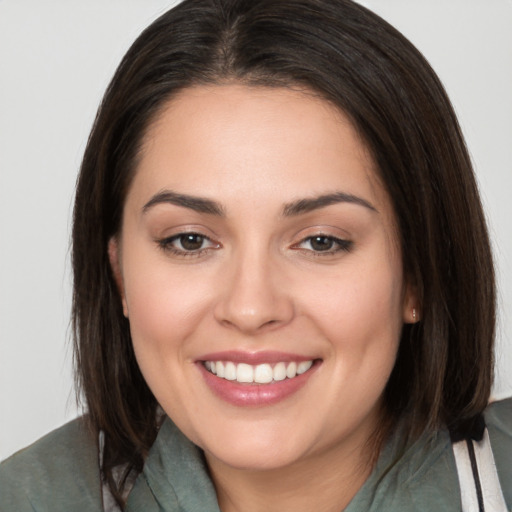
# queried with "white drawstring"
point(479, 482)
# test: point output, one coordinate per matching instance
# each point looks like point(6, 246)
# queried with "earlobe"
point(115, 264)
point(411, 311)
point(411, 315)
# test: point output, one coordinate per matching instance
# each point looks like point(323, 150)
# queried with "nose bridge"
point(254, 297)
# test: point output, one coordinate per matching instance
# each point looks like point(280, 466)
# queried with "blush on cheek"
point(164, 318)
point(364, 318)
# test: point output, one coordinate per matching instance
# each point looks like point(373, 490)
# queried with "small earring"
point(414, 315)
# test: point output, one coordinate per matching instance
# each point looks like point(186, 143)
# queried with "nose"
point(254, 295)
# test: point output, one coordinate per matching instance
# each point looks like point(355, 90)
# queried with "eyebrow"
point(198, 204)
point(314, 203)
point(208, 206)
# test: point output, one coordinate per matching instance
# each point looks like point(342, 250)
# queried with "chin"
point(251, 458)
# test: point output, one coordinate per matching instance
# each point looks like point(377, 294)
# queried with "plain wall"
point(56, 58)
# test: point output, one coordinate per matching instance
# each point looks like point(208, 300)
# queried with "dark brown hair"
point(359, 63)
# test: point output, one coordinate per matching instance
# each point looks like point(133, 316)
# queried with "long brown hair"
point(359, 63)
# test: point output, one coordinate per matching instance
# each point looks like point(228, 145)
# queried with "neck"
point(325, 482)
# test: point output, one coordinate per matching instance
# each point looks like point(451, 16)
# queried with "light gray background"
point(56, 58)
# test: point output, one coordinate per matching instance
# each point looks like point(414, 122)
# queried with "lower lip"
point(254, 395)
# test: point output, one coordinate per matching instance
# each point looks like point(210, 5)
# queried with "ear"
point(114, 254)
point(411, 308)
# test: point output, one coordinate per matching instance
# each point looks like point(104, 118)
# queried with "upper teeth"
point(260, 373)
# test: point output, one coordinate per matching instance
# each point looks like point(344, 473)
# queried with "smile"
point(259, 379)
point(258, 374)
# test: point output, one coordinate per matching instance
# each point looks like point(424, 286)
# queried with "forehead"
point(234, 141)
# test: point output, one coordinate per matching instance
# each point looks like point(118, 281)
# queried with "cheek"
point(359, 299)
point(164, 304)
point(359, 310)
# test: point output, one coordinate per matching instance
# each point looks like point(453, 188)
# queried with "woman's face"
point(257, 243)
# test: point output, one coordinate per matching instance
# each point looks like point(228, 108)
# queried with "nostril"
point(251, 300)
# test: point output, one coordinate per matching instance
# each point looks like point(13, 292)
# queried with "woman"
point(282, 279)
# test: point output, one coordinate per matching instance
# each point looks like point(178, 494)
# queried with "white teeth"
point(303, 367)
point(263, 374)
point(244, 373)
point(291, 370)
point(230, 371)
point(260, 374)
point(279, 371)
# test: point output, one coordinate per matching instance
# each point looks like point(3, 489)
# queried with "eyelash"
point(167, 244)
point(340, 244)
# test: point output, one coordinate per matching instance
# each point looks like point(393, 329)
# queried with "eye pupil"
point(191, 242)
point(321, 243)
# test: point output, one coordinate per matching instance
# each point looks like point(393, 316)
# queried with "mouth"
point(256, 380)
point(265, 373)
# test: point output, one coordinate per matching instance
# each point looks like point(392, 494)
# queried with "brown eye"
point(321, 243)
point(187, 244)
point(191, 241)
point(325, 244)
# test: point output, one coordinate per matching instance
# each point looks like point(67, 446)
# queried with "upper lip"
point(255, 358)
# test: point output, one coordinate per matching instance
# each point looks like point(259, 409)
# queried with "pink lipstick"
point(256, 379)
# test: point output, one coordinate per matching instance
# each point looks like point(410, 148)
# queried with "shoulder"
point(58, 472)
point(498, 417)
point(423, 476)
